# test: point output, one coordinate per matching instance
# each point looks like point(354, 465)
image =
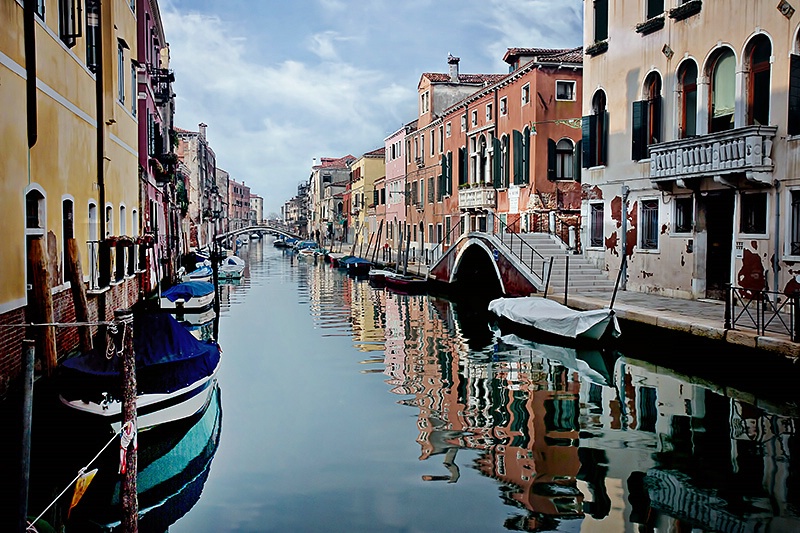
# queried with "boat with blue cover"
point(191, 295)
point(175, 374)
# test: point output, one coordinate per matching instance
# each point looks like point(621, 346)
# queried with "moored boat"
point(405, 284)
point(547, 316)
point(377, 276)
point(201, 273)
point(191, 296)
point(232, 267)
point(175, 374)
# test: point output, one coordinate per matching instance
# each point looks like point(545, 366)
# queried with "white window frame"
point(641, 232)
point(504, 106)
point(488, 112)
point(474, 120)
point(767, 212)
point(675, 216)
point(464, 122)
point(574, 85)
point(591, 226)
point(447, 129)
point(525, 94)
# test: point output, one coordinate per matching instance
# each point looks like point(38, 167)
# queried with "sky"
point(280, 82)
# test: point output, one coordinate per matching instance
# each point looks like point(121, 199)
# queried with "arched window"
point(564, 150)
point(109, 221)
point(67, 228)
point(723, 91)
point(758, 81)
point(34, 226)
point(482, 160)
point(595, 133)
point(646, 115)
point(687, 80)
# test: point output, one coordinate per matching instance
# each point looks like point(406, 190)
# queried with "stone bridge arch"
point(475, 272)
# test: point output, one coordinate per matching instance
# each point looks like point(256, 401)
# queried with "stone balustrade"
point(480, 197)
point(745, 150)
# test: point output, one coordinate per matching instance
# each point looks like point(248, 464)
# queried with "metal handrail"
point(763, 310)
point(506, 230)
point(429, 259)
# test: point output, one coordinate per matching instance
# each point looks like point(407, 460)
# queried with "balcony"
point(745, 151)
point(477, 197)
point(161, 80)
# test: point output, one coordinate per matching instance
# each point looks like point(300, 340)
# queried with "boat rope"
point(71, 483)
point(57, 324)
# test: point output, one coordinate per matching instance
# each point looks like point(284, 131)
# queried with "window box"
point(650, 25)
point(686, 10)
point(596, 48)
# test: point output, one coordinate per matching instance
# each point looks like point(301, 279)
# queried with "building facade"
point(690, 142)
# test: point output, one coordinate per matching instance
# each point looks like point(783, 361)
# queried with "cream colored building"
point(692, 122)
point(52, 188)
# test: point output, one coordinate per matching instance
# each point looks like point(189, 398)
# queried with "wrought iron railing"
point(763, 310)
point(433, 255)
point(517, 246)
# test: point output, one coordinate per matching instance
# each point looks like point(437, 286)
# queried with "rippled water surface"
point(344, 407)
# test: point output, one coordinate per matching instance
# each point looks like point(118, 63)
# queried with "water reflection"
point(596, 436)
point(174, 461)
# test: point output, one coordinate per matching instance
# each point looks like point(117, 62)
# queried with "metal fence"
point(763, 310)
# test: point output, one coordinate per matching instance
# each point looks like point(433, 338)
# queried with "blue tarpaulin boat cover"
point(356, 261)
point(188, 290)
point(203, 271)
point(168, 358)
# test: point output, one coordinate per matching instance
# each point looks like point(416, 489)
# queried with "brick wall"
point(121, 296)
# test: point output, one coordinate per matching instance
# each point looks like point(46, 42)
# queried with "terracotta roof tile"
point(548, 55)
point(475, 79)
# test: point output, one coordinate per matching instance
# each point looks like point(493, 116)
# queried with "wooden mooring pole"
point(28, 357)
point(43, 305)
point(123, 319)
point(75, 276)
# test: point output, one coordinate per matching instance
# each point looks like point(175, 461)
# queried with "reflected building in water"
point(577, 434)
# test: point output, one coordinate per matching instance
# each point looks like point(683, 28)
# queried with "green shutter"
point(551, 160)
point(517, 145)
point(576, 161)
point(639, 130)
point(793, 124)
point(497, 153)
point(587, 141)
point(603, 155)
point(526, 166)
point(449, 175)
point(462, 165)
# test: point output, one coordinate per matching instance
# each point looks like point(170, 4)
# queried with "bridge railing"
point(433, 255)
point(517, 246)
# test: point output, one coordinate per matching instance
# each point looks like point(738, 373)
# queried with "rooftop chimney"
point(203, 130)
point(453, 62)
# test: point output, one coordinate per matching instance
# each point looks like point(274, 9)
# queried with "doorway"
point(719, 227)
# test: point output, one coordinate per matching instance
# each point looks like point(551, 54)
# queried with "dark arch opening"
point(476, 278)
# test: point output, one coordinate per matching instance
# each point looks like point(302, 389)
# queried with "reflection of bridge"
point(259, 228)
point(516, 264)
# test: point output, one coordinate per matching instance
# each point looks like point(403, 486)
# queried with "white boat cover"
point(550, 316)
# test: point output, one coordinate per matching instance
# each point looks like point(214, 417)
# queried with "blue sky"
point(281, 82)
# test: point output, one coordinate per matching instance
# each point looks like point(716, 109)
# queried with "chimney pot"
point(453, 62)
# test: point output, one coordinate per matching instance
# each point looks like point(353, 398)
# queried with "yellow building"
point(78, 99)
point(365, 171)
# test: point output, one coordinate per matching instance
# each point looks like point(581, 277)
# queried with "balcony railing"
point(745, 150)
point(481, 197)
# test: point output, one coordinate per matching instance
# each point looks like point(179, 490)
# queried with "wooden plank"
point(74, 273)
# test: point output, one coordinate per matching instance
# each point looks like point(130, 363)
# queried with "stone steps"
point(584, 276)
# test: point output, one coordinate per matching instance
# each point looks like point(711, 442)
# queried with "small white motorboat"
point(551, 317)
point(232, 267)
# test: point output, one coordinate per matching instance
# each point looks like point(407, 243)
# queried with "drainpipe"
point(777, 251)
point(624, 268)
point(29, 25)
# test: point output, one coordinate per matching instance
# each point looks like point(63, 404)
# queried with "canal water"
point(345, 407)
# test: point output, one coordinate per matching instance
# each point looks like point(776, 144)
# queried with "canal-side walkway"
point(703, 318)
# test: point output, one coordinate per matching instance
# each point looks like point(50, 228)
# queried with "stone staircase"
point(583, 276)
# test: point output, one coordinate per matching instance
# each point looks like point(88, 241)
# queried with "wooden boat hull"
point(405, 284)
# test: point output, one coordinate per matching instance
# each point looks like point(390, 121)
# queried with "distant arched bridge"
point(265, 228)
